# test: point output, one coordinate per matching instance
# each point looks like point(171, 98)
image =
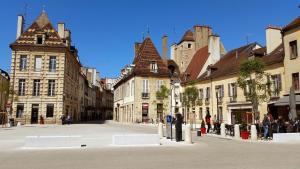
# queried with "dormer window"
point(39, 39)
point(153, 67)
point(189, 45)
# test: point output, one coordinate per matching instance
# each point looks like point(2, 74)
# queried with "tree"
point(189, 99)
point(4, 91)
point(253, 80)
point(162, 97)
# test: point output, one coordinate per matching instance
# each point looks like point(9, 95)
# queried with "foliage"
point(253, 78)
point(190, 96)
point(162, 96)
point(202, 124)
point(243, 127)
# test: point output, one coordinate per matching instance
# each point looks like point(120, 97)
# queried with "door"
point(34, 114)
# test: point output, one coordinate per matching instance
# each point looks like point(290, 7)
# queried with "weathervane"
point(44, 9)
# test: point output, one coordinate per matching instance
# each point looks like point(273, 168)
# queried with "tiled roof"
point(145, 56)
point(43, 26)
point(229, 63)
point(188, 36)
point(196, 64)
point(293, 24)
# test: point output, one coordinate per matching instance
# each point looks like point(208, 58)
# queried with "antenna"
point(174, 32)
point(143, 36)
point(247, 37)
point(148, 30)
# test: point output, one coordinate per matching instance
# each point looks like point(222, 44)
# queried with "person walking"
point(281, 125)
point(266, 125)
point(207, 120)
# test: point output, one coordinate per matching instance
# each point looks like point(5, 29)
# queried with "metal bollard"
point(188, 134)
point(237, 131)
point(253, 132)
point(223, 130)
point(160, 130)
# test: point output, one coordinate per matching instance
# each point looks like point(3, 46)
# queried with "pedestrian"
point(266, 125)
point(281, 125)
point(207, 120)
point(68, 119)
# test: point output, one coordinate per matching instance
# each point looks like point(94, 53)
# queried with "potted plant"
point(244, 132)
point(203, 129)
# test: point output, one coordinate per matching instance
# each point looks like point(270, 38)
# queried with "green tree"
point(253, 80)
point(162, 98)
point(189, 100)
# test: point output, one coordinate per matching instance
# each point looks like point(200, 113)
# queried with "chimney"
point(214, 48)
point(20, 25)
point(137, 46)
point(61, 30)
point(201, 35)
point(164, 48)
point(67, 34)
point(273, 38)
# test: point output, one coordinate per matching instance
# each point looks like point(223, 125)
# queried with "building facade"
point(4, 89)
point(135, 90)
point(44, 72)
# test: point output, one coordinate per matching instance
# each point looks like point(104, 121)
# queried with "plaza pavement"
point(206, 152)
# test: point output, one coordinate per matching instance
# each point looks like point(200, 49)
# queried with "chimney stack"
point(20, 25)
point(137, 46)
point(214, 48)
point(201, 35)
point(273, 38)
point(61, 30)
point(164, 48)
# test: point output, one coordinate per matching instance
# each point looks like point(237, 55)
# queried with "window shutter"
point(279, 82)
point(222, 90)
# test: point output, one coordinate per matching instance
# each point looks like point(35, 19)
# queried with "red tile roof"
point(188, 36)
point(196, 64)
point(293, 24)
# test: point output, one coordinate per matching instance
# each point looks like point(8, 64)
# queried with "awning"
point(285, 101)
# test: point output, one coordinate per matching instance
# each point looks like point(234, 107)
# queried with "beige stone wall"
point(66, 85)
point(3, 95)
point(183, 55)
point(291, 65)
point(226, 109)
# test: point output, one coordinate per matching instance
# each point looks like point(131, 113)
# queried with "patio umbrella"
point(292, 99)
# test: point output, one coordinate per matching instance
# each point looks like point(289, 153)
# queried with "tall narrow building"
point(44, 73)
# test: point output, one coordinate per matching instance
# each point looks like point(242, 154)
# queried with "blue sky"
point(105, 31)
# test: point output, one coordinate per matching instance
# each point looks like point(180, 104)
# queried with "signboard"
point(169, 118)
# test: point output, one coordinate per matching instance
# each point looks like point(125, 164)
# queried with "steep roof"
point(41, 26)
point(147, 54)
point(293, 24)
point(188, 36)
point(229, 63)
point(196, 64)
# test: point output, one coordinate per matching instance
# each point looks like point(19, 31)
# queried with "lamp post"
point(172, 75)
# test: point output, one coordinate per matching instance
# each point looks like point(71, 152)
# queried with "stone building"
point(44, 72)
point(4, 89)
point(135, 90)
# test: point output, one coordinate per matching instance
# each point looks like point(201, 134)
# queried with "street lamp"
point(172, 75)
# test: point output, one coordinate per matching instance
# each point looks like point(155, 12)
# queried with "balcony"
point(145, 95)
point(232, 99)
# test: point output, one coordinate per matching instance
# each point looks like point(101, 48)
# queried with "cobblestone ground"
point(206, 152)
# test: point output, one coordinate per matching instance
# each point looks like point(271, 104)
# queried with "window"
point(38, 63)
point(159, 83)
point(52, 64)
point(207, 94)
point(39, 39)
point(293, 49)
point(232, 91)
point(189, 45)
point(275, 85)
point(200, 113)
point(51, 87)
point(145, 86)
point(20, 110)
point(295, 81)
point(219, 91)
point(50, 110)
point(23, 62)
point(153, 67)
point(21, 87)
point(36, 87)
point(200, 94)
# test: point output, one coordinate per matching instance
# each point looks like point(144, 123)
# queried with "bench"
point(53, 141)
point(136, 139)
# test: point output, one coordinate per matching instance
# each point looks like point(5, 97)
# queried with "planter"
point(203, 130)
point(245, 135)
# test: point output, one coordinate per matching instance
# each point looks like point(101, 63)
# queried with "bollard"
point(18, 124)
point(253, 132)
point(223, 130)
point(237, 131)
point(160, 130)
point(188, 134)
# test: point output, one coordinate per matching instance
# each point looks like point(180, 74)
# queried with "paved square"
point(207, 152)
